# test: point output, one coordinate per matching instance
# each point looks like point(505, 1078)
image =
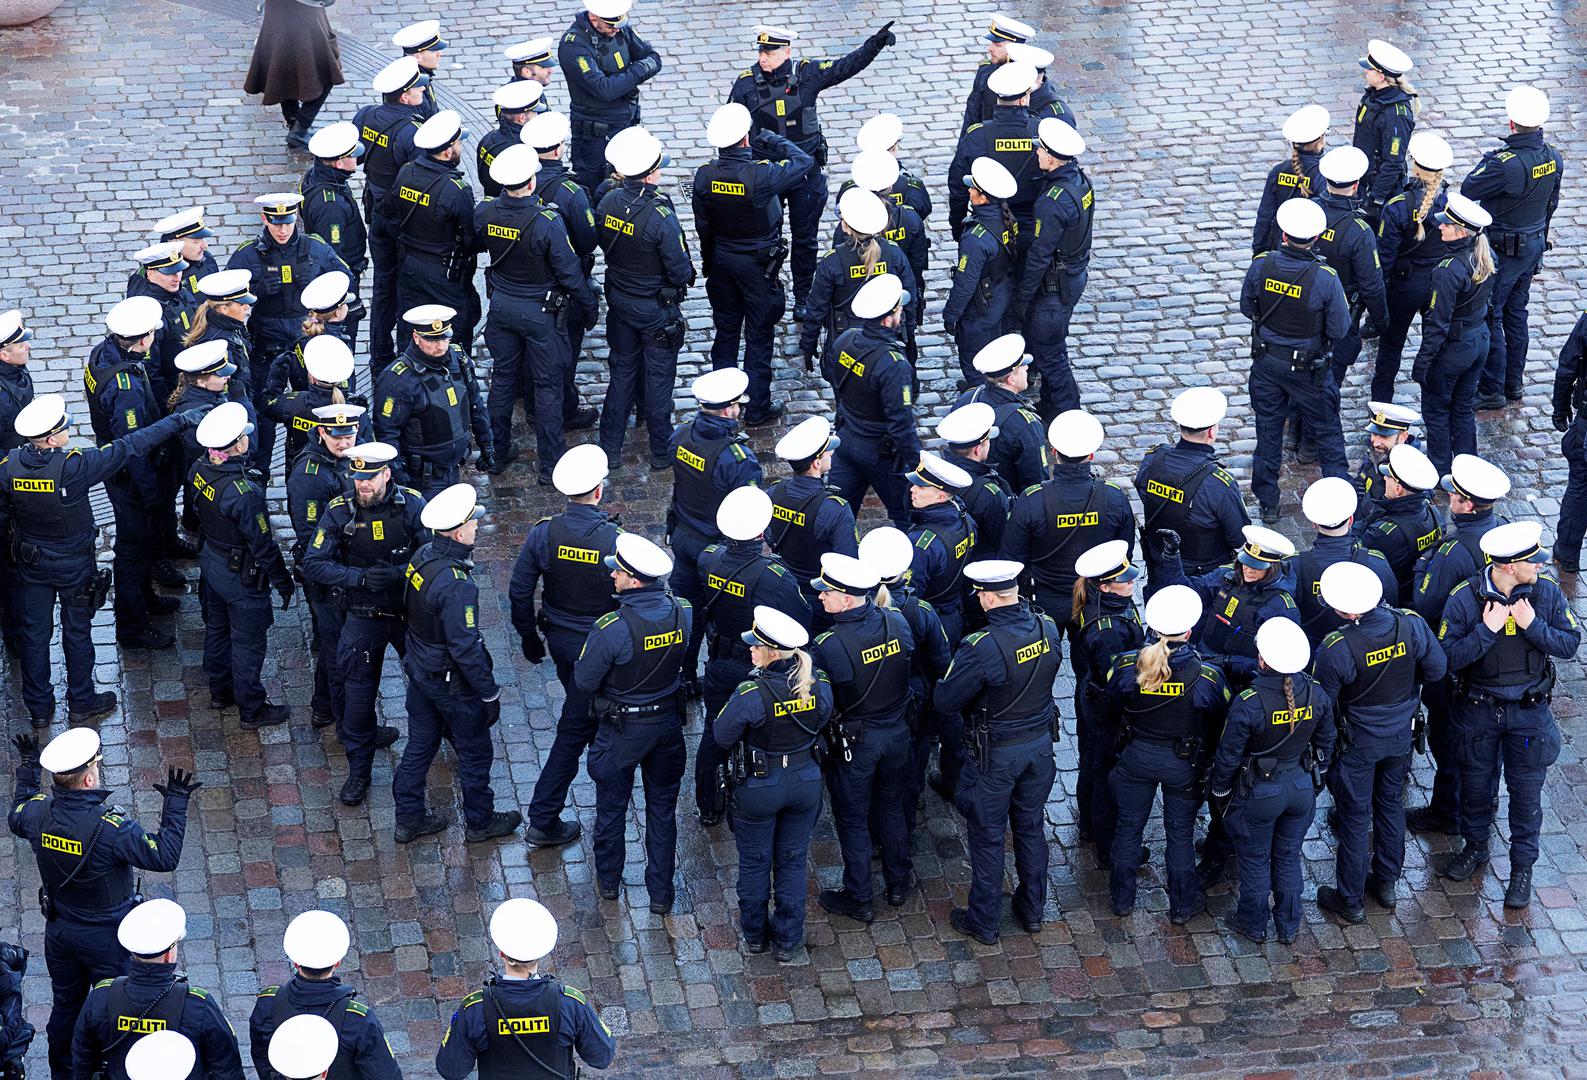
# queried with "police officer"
point(1109, 625)
point(431, 213)
point(1279, 736)
point(809, 517)
point(736, 576)
point(566, 552)
point(280, 259)
point(1167, 705)
point(204, 381)
point(604, 63)
point(160, 275)
point(1409, 246)
point(878, 172)
point(365, 539)
point(780, 93)
point(304, 1047)
point(632, 666)
point(884, 131)
point(1372, 667)
point(428, 402)
point(1001, 680)
point(710, 456)
point(160, 1055)
point(45, 509)
point(16, 392)
point(533, 59)
point(1183, 488)
point(86, 854)
point(316, 943)
point(1389, 426)
point(560, 190)
point(154, 996)
point(738, 213)
point(1008, 138)
point(872, 385)
point(1351, 247)
point(329, 210)
point(387, 130)
point(327, 300)
point(327, 370)
point(943, 535)
point(422, 41)
point(188, 227)
point(1002, 373)
point(1404, 524)
point(452, 692)
point(1000, 33)
point(1570, 419)
point(861, 253)
point(533, 281)
point(1384, 121)
point(1330, 505)
point(121, 401)
point(868, 656)
point(977, 310)
point(1474, 486)
point(967, 434)
point(515, 104)
point(239, 564)
point(1503, 628)
point(16, 1034)
point(772, 724)
point(648, 273)
point(317, 477)
point(521, 1014)
point(1519, 187)
point(1056, 262)
point(1455, 331)
point(223, 316)
point(1296, 177)
point(1298, 311)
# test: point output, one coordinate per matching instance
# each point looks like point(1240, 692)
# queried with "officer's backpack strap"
point(1067, 536)
point(1192, 485)
point(282, 1009)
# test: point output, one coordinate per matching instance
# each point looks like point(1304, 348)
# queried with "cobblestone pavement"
point(114, 111)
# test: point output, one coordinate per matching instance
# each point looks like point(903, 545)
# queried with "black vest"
point(1385, 669)
point(729, 196)
point(210, 484)
point(425, 223)
point(693, 466)
point(1427, 251)
point(129, 1021)
point(656, 663)
point(380, 161)
point(1529, 209)
point(508, 225)
point(1167, 713)
point(791, 725)
point(730, 601)
point(853, 359)
point(439, 419)
point(521, 1039)
point(283, 1009)
point(622, 220)
point(1512, 661)
point(1032, 657)
point(1285, 732)
point(40, 509)
point(1281, 307)
point(1073, 531)
point(377, 536)
point(1471, 306)
point(97, 379)
point(792, 534)
point(424, 623)
point(61, 849)
point(878, 686)
point(851, 277)
point(1167, 499)
point(1330, 245)
point(1316, 617)
point(1234, 608)
point(576, 580)
point(781, 108)
point(1074, 246)
point(944, 590)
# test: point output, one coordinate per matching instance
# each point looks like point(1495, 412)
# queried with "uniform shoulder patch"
point(778, 568)
point(339, 500)
point(1116, 486)
point(925, 539)
point(198, 992)
point(358, 1008)
point(745, 687)
point(1032, 490)
point(474, 999)
point(823, 636)
point(1333, 638)
point(606, 620)
point(269, 991)
point(975, 637)
point(102, 983)
point(576, 995)
point(974, 127)
point(1244, 694)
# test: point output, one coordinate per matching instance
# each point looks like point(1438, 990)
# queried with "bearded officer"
point(1389, 426)
point(315, 943)
point(86, 854)
point(1000, 33)
point(427, 403)
point(358, 552)
point(452, 690)
point(604, 62)
point(565, 554)
point(523, 1023)
point(533, 59)
point(809, 517)
point(1330, 505)
point(1404, 524)
point(154, 996)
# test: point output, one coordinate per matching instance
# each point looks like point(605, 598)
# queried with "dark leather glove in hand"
point(382, 577)
point(492, 712)
point(1168, 539)
point(28, 747)
point(1562, 420)
point(485, 463)
point(534, 649)
point(179, 784)
point(285, 588)
point(885, 35)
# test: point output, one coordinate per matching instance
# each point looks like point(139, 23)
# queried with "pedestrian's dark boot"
point(842, 902)
point(556, 834)
point(1332, 900)
point(1463, 865)
point(428, 825)
point(501, 823)
point(1519, 892)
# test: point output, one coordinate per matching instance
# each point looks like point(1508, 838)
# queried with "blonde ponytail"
point(1416, 101)
point(1481, 259)
point(1077, 603)
point(867, 246)
point(884, 598)
point(803, 675)
point(313, 326)
point(1152, 668)
point(1432, 183)
point(200, 323)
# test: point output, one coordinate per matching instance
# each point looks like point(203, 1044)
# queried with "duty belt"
point(1297, 359)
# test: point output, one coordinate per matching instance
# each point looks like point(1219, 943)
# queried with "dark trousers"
point(1143, 767)
point(655, 748)
point(325, 616)
point(1445, 798)
point(687, 546)
point(530, 358)
point(806, 202)
point(1368, 785)
point(1407, 298)
point(722, 676)
point(1047, 338)
point(262, 443)
point(772, 821)
point(1504, 366)
point(858, 464)
point(575, 729)
point(435, 713)
point(383, 285)
point(974, 333)
point(1268, 827)
point(137, 546)
point(1276, 389)
point(1526, 741)
point(587, 155)
point(361, 660)
point(1007, 791)
point(1449, 397)
point(422, 279)
point(1096, 808)
point(35, 601)
point(637, 356)
point(77, 956)
point(877, 776)
point(301, 114)
point(1573, 504)
point(744, 303)
point(235, 640)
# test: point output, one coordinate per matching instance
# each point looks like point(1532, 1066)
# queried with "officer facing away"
point(1019, 452)
point(86, 853)
point(431, 212)
point(315, 943)
point(1404, 524)
point(304, 1047)
point(1330, 504)
point(809, 517)
point(155, 996)
point(523, 1023)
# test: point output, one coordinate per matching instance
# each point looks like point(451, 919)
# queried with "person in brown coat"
point(296, 61)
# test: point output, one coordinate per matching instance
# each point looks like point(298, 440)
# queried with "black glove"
point(1169, 540)
point(192, 417)
point(381, 577)
point(885, 36)
point(179, 784)
point(534, 649)
point(1562, 419)
point(28, 747)
point(1369, 328)
point(649, 67)
point(285, 588)
point(809, 352)
point(486, 462)
point(492, 711)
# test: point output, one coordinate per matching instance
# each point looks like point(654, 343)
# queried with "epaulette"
point(474, 999)
point(247, 243)
point(974, 637)
point(1333, 637)
point(974, 126)
point(113, 819)
point(1330, 270)
point(549, 213)
point(269, 991)
point(925, 605)
point(1262, 256)
point(1446, 262)
point(1210, 673)
point(569, 36)
point(398, 367)
point(709, 548)
point(408, 491)
point(1116, 486)
point(1384, 525)
point(1246, 693)
point(576, 995)
point(823, 636)
point(311, 468)
point(459, 574)
point(339, 500)
point(778, 568)
point(838, 498)
point(123, 380)
point(243, 486)
point(745, 687)
point(462, 184)
point(926, 537)
point(1289, 601)
point(358, 1008)
point(606, 620)
point(662, 210)
point(1503, 155)
point(823, 65)
point(1362, 225)
point(101, 984)
point(1032, 490)
point(686, 604)
point(1222, 475)
point(738, 452)
point(542, 521)
point(198, 992)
